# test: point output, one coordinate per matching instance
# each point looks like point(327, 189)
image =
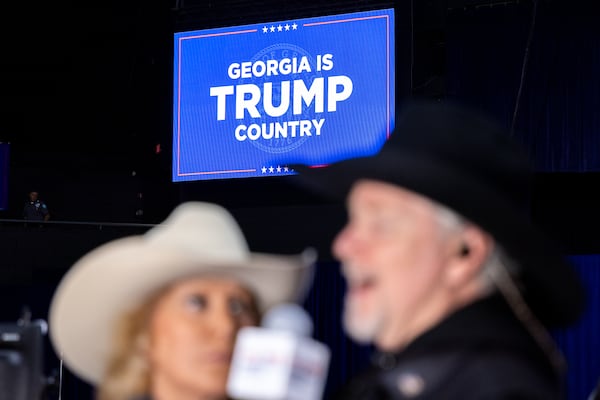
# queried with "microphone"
point(280, 360)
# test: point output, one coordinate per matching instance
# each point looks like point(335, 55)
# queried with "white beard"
point(361, 327)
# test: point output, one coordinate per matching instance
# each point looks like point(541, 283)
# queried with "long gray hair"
point(500, 273)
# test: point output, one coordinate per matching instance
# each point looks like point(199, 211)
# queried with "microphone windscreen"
point(289, 317)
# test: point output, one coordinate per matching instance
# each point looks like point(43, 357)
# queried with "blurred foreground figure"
point(446, 275)
point(155, 316)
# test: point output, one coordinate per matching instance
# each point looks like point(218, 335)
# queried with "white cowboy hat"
point(197, 238)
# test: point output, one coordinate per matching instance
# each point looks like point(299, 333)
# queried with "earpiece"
point(464, 250)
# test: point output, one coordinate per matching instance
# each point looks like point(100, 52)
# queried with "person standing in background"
point(35, 209)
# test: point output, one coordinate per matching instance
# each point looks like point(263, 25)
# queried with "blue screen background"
point(362, 49)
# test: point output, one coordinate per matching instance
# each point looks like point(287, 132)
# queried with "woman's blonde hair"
point(127, 375)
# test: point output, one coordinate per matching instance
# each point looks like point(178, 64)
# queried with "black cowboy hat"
point(467, 162)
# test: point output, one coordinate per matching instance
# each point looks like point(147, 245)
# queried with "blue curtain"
point(324, 303)
point(581, 343)
point(557, 117)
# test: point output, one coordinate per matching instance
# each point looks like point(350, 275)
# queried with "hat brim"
point(551, 286)
point(118, 276)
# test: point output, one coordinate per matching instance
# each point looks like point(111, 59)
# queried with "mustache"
point(353, 272)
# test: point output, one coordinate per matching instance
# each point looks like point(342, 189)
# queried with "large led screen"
point(249, 100)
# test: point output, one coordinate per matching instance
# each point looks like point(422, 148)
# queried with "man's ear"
point(468, 256)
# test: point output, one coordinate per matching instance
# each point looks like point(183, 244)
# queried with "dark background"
point(86, 98)
point(86, 102)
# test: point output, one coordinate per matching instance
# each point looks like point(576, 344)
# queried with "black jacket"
point(481, 352)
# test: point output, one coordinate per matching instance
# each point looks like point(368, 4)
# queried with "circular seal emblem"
point(279, 142)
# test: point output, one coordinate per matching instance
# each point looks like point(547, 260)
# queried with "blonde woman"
point(155, 316)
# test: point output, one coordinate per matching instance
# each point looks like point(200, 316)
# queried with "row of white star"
point(279, 28)
point(275, 169)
